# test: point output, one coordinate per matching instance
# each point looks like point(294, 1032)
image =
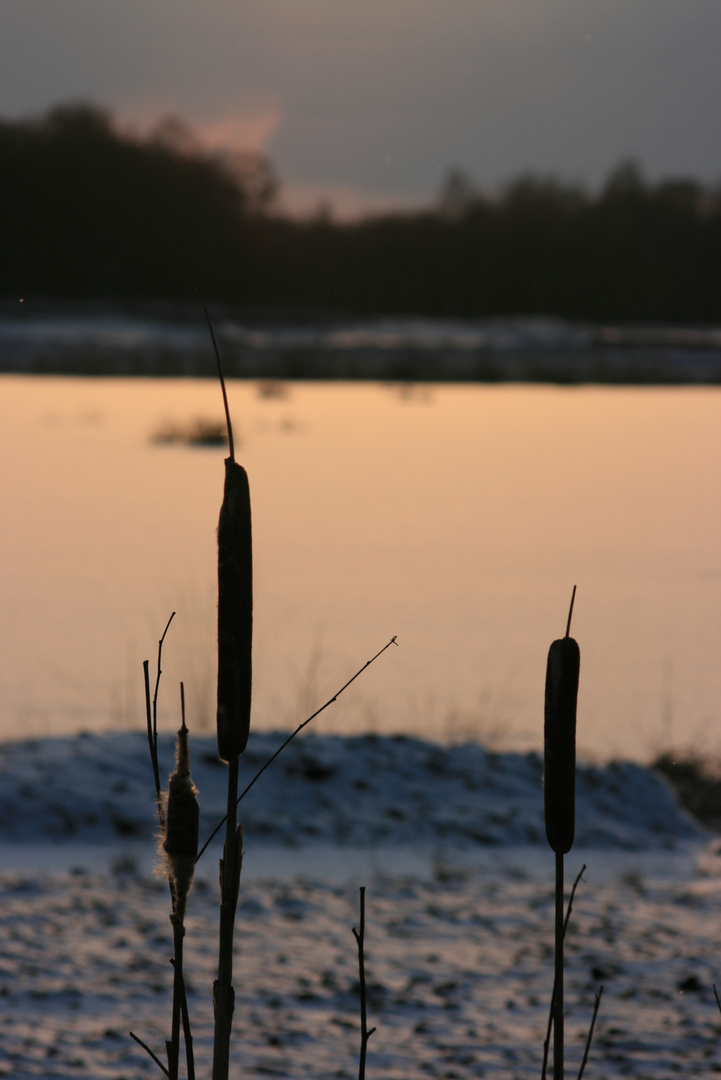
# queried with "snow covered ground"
point(450, 845)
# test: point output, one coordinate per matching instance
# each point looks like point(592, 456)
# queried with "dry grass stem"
point(281, 748)
point(359, 935)
point(569, 909)
point(589, 1040)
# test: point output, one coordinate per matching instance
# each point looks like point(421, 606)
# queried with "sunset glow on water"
point(458, 518)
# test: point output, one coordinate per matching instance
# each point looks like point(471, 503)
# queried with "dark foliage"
point(86, 211)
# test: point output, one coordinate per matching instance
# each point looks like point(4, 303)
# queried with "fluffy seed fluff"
point(179, 841)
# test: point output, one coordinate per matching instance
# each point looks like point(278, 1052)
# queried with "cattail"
point(235, 596)
point(235, 613)
point(559, 774)
point(180, 842)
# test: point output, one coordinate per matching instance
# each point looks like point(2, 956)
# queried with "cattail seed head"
point(235, 613)
point(180, 841)
point(559, 765)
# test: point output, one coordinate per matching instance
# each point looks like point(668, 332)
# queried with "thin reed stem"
point(153, 743)
point(157, 679)
point(587, 1049)
point(359, 935)
point(558, 995)
point(223, 992)
point(149, 1052)
point(174, 1044)
point(569, 909)
point(187, 1034)
point(151, 716)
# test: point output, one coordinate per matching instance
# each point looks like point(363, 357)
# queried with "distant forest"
point(87, 211)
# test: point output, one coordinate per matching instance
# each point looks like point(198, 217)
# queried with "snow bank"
point(362, 791)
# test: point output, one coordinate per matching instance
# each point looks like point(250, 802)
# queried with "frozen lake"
point(457, 517)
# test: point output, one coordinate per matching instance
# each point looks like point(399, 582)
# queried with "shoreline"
point(109, 339)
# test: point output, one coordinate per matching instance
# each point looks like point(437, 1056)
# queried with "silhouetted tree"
point(87, 210)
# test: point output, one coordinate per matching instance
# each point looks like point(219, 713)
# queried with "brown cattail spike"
point(559, 773)
point(235, 613)
point(181, 826)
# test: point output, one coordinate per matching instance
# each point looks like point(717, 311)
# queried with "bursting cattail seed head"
point(180, 839)
point(559, 765)
point(235, 613)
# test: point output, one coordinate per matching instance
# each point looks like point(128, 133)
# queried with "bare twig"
point(151, 715)
point(149, 1052)
point(157, 680)
point(599, 995)
point(152, 743)
point(547, 1041)
point(359, 935)
point(290, 738)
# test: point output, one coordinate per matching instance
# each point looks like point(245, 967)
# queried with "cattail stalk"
point(235, 594)
point(180, 841)
point(235, 613)
point(559, 773)
point(180, 845)
point(235, 639)
point(559, 793)
point(230, 867)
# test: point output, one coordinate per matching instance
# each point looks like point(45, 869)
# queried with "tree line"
point(88, 211)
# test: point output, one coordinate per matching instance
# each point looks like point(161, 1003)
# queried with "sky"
point(366, 104)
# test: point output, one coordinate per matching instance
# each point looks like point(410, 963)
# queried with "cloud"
point(241, 130)
point(248, 129)
point(388, 94)
point(342, 202)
